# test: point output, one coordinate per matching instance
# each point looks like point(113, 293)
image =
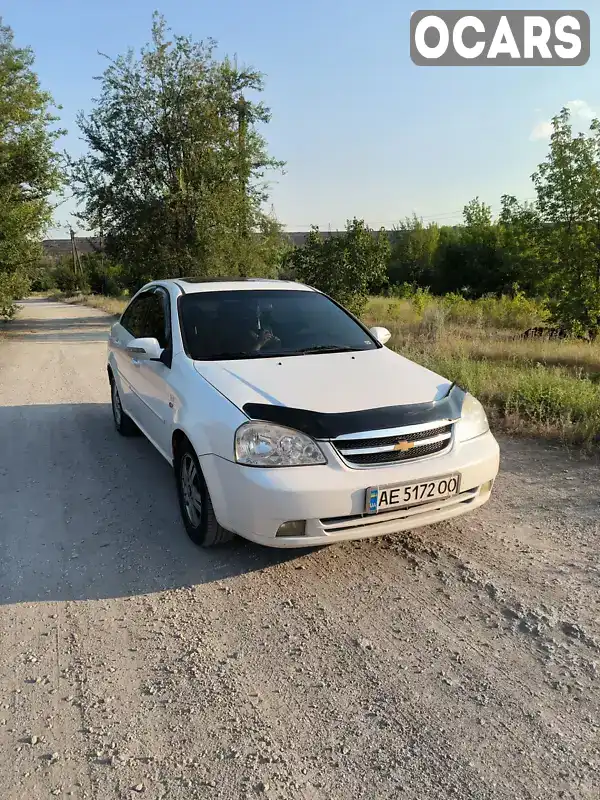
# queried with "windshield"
point(266, 323)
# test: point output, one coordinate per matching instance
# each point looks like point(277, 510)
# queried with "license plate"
point(384, 498)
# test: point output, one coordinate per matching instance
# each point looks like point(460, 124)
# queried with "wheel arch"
point(178, 438)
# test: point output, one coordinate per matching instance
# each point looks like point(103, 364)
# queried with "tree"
point(413, 252)
point(472, 261)
point(522, 241)
point(175, 174)
point(568, 198)
point(29, 167)
point(344, 265)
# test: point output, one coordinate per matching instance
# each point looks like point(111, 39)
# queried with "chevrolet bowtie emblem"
point(404, 445)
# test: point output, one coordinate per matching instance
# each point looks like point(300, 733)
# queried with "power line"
point(441, 215)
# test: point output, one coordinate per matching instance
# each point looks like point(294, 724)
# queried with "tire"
point(195, 504)
point(123, 423)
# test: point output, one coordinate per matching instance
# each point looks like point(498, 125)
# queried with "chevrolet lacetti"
point(287, 421)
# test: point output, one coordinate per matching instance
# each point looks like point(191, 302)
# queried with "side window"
point(155, 320)
point(133, 318)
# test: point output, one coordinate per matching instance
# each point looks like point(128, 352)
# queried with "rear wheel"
point(124, 424)
point(195, 503)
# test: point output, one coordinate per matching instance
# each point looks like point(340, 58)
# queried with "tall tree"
point(568, 198)
point(521, 237)
point(29, 166)
point(473, 261)
point(413, 252)
point(175, 174)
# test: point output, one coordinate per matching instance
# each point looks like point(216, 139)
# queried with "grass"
point(535, 386)
point(112, 305)
point(549, 388)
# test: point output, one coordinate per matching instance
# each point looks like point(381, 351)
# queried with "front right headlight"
point(264, 444)
point(473, 420)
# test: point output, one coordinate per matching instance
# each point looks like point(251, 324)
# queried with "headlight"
point(473, 420)
point(263, 444)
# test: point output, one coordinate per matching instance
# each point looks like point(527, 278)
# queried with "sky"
point(363, 131)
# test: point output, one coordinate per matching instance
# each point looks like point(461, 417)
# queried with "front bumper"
point(254, 502)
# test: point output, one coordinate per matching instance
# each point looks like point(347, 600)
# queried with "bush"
point(65, 279)
point(102, 277)
point(433, 322)
point(516, 312)
point(402, 291)
point(42, 280)
point(421, 299)
point(346, 266)
point(12, 287)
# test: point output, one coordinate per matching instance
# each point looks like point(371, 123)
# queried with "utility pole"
point(76, 262)
point(243, 178)
point(73, 251)
point(102, 242)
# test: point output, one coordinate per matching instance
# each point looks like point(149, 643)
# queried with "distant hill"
point(55, 248)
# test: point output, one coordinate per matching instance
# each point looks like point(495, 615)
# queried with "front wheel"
point(195, 503)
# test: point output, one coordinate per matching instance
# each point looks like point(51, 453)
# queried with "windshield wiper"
point(328, 348)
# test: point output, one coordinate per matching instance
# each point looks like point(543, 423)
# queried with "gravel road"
point(459, 661)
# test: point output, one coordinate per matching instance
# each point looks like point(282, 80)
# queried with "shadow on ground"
point(87, 514)
point(77, 329)
point(72, 330)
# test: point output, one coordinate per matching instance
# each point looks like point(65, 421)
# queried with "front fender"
point(209, 420)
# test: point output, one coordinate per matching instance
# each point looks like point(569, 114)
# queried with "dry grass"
point(548, 387)
point(112, 305)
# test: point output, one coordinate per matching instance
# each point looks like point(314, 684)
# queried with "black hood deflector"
point(319, 425)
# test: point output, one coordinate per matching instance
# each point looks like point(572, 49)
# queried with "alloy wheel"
point(190, 488)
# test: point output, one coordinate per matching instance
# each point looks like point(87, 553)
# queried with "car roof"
point(194, 285)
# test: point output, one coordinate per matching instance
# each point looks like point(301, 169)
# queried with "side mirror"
point(146, 349)
point(381, 334)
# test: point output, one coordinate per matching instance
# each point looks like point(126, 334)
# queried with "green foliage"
point(402, 291)
point(29, 166)
point(549, 399)
point(520, 237)
point(515, 312)
point(65, 278)
point(568, 198)
point(345, 265)
point(550, 248)
point(414, 250)
point(544, 387)
point(101, 275)
point(41, 276)
point(421, 299)
point(13, 287)
point(175, 174)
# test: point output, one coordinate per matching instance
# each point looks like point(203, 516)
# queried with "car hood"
point(326, 382)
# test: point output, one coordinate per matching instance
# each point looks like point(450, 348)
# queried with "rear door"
point(131, 326)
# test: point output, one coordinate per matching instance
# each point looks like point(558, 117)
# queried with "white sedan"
point(287, 421)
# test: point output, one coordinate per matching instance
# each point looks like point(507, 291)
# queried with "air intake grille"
point(373, 451)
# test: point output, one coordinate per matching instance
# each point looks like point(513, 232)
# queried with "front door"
point(152, 377)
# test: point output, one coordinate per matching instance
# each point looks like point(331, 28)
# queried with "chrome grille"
point(379, 447)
